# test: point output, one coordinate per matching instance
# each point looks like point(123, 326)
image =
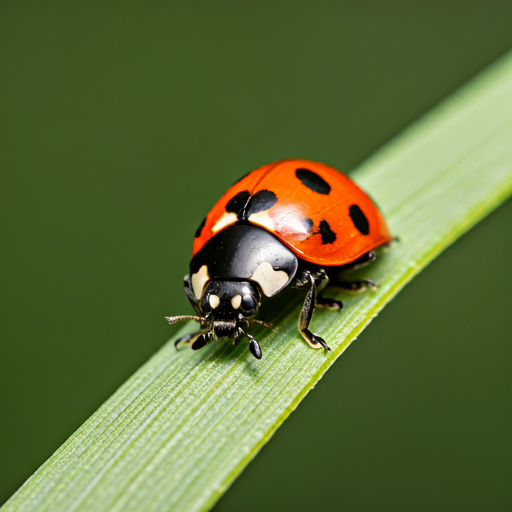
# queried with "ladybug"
point(292, 223)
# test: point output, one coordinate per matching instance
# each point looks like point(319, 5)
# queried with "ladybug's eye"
point(248, 303)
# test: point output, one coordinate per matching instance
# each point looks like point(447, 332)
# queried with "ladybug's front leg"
point(308, 307)
point(196, 340)
point(187, 288)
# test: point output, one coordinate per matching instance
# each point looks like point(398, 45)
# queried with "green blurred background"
point(122, 123)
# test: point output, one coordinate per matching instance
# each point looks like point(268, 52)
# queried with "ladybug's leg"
point(333, 304)
point(364, 260)
point(357, 285)
point(196, 340)
point(308, 307)
point(190, 294)
point(322, 279)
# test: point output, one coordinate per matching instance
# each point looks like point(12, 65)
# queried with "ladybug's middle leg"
point(306, 313)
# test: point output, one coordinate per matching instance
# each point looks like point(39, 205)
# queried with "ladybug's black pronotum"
point(292, 223)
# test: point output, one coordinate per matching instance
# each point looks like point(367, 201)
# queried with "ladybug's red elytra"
point(292, 223)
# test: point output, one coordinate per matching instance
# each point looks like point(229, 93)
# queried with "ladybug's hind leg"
point(306, 313)
point(361, 262)
point(332, 304)
point(357, 285)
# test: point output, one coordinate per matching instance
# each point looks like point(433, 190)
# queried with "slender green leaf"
point(183, 427)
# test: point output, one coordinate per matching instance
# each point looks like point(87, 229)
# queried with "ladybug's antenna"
point(174, 319)
point(266, 324)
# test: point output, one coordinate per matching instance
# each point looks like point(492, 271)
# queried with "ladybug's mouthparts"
point(217, 329)
point(225, 329)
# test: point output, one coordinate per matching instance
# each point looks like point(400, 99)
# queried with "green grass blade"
point(178, 432)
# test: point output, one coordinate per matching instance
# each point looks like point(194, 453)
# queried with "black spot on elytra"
point(259, 202)
point(200, 228)
point(328, 235)
point(359, 219)
point(309, 224)
point(313, 181)
point(237, 203)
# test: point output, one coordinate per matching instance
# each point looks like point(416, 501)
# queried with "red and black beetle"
point(292, 223)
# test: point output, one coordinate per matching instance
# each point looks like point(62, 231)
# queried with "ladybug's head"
point(227, 308)
point(230, 305)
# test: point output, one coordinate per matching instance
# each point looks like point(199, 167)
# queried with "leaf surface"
point(178, 432)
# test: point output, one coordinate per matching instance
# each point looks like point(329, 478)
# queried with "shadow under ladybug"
point(272, 231)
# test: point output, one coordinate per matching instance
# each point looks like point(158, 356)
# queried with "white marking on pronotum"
point(214, 301)
point(269, 279)
point(225, 220)
point(199, 280)
point(236, 301)
point(263, 219)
